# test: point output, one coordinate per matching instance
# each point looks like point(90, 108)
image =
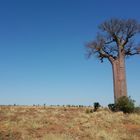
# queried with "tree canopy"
point(116, 36)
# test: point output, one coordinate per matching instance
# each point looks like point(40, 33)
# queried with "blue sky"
point(42, 51)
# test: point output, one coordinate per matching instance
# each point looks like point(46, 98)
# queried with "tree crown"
point(117, 36)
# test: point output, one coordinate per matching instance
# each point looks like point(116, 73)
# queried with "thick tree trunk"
point(119, 77)
point(123, 86)
point(115, 69)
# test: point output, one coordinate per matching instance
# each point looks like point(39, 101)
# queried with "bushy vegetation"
point(96, 106)
point(124, 104)
point(112, 107)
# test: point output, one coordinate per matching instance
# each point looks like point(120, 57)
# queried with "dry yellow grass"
point(59, 123)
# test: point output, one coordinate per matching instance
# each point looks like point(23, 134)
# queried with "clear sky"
point(42, 51)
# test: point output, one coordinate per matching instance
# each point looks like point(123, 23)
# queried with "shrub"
point(112, 107)
point(125, 104)
point(81, 106)
point(96, 106)
point(68, 105)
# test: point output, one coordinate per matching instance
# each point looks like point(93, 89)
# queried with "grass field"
point(66, 123)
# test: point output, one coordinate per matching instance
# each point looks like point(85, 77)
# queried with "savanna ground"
point(66, 123)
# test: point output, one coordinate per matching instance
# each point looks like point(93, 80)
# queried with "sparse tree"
point(115, 43)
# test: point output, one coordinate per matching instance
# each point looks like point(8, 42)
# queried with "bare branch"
point(131, 27)
point(115, 40)
point(133, 50)
point(109, 42)
point(98, 48)
point(120, 30)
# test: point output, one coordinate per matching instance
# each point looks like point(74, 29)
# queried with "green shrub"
point(68, 105)
point(96, 106)
point(81, 106)
point(125, 104)
point(112, 107)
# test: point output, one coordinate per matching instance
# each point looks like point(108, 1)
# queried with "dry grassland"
point(66, 123)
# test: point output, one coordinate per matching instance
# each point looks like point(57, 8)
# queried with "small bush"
point(96, 106)
point(112, 107)
point(124, 104)
point(81, 106)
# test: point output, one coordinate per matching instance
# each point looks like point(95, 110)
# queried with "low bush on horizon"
point(124, 104)
point(96, 106)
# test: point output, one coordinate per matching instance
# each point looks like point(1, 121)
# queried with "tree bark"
point(119, 77)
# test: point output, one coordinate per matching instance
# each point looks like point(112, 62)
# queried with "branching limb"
point(115, 40)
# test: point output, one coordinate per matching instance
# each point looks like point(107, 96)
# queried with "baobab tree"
point(115, 42)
